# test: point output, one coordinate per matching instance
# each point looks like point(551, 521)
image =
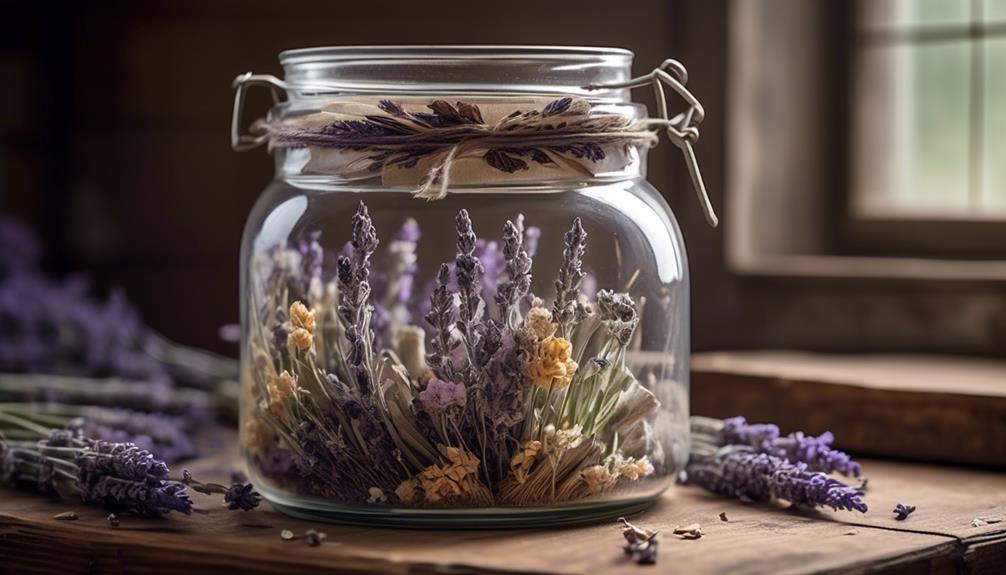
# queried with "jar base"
point(475, 518)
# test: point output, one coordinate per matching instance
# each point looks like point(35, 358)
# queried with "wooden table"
point(938, 538)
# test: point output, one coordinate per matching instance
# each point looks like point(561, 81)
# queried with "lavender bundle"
point(752, 462)
point(66, 354)
point(498, 399)
point(119, 476)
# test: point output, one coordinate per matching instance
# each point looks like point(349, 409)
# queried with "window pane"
point(995, 125)
point(905, 13)
point(994, 11)
point(912, 130)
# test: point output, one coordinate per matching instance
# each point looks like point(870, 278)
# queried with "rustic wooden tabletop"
point(941, 536)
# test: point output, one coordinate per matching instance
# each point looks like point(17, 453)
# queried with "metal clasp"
point(247, 141)
point(682, 129)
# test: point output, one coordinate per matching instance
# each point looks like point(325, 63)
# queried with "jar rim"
point(320, 54)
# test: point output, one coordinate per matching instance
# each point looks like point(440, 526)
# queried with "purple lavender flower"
point(468, 272)
point(441, 318)
point(740, 472)
point(567, 284)
point(163, 435)
point(510, 293)
point(354, 296)
point(816, 452)
point(242, 496)
point(902, 511)
point(124, 477)
point(439, 395)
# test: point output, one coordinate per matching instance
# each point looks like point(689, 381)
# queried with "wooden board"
point(757, 538)
point(929, 408)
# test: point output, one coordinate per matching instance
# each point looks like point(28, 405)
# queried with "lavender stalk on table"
point(816, 452)
point(742, 473)
point(119, 476)
point(750, 461)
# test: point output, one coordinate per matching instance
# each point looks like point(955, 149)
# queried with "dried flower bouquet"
point(517, 402)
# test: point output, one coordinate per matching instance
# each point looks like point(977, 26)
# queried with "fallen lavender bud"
point(236, 496)
point(902, 511)
point(242, 496)
point(743, 473)
point(314, 538)
point(640, 544)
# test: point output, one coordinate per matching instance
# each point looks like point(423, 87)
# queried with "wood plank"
point(756, 539)
point(929, 408)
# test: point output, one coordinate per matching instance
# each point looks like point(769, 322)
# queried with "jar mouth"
point(318, 54)
point(460, 69)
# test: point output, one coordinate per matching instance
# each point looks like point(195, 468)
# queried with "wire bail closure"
point(682, 130)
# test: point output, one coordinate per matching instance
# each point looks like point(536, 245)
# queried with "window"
point(929, 115)
point(867, 139)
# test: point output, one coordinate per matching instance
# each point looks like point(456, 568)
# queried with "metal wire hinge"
point(682, 130)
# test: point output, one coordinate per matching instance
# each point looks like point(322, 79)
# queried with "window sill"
point(873, 268)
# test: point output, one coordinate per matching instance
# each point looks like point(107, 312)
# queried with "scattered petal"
point(66, 516)
point(902, 511)
point(314, 538)
point(286, 535)
point(851, 532)
point(113, 519)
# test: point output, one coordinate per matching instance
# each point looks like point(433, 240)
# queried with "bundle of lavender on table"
point(754, 462)
point(518, 402)
point(69, 359)
point(119, 476)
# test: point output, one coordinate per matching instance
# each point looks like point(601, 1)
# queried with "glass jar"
point(512, 353)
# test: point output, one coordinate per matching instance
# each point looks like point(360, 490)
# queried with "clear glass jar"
point(535, 412)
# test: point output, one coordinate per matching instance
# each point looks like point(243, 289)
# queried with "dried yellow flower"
point(256, 436)
point(636, 468)
point(539, 323)
point(376, 495)
point(521, 463)
point(407, 492)
point(598, 478)
point(552, 365)
point(301, 317)
point(301, 338)
point(437, 485)
point(280, 388)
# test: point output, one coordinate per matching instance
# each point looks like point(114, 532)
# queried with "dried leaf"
point(504, 162)
point(723, 517)
point(446, 112)
point(470, 112)
point(851, 532)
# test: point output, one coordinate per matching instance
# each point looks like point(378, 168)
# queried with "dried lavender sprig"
point(567, 285)
point(354, 309)
point(816, 452)
point(441, 317)
point(743, 473)
point(468, 272)
point(511, 292)
point(239, 495)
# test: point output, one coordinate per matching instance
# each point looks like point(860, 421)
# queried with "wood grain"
point(756, 539)
point(930, 408)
